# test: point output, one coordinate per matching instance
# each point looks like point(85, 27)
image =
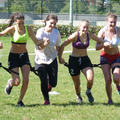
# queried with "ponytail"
point(14, 17)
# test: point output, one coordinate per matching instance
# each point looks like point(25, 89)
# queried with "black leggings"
point(51, 70)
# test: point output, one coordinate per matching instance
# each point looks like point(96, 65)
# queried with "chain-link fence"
point(98, 7)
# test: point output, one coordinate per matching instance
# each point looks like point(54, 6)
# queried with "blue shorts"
point(78, 63)
point(109, 59)
point(18, 60)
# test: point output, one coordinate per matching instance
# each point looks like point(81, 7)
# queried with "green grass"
point(63, 106)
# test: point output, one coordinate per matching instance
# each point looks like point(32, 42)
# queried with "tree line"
point(62, 6)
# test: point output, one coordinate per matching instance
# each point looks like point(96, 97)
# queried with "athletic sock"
point(88, 90)
point(79, 95)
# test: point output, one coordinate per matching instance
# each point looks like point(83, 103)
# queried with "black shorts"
point(18, 60)
point(78, 63)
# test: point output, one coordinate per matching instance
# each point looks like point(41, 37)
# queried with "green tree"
point(19, 5)
point(82, 7)
point(54, 5)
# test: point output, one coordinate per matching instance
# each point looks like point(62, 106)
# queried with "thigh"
point(76, 79)
point(88, 72)
point(25, 69)
point(42, 72)
point(52, 71)
point(106, 71)
point(15, 77)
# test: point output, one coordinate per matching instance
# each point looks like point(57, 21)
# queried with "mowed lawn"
point(63, 106)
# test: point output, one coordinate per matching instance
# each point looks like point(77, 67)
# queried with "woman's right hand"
point(46, 41)
point(107, 44)
point(61, 61)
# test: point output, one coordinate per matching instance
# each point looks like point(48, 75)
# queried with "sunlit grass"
point(64, 105)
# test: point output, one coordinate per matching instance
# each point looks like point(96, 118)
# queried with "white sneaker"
point(8, 88)
point(79, 100)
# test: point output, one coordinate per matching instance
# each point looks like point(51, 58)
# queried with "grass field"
point(63, 106)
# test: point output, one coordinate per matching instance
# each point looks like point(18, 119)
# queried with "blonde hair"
point(111, 15)
point(84, 21)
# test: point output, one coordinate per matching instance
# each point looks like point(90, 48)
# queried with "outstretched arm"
point(33, 37)
point(8, 30)
point(70, 39)
point(100, 42)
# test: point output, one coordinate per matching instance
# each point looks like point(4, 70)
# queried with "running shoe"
point(79, 100)
point(118, 89)
point(110, 102)
point(20, 104)
point(46, 103)
point(90, 97)
point(8, 88)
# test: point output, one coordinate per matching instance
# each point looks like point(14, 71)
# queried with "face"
point(50, 24)
point(84, 27)
point(20, 23)
point(111, 22)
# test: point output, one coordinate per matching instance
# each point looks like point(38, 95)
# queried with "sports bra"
point(115, 41)
point(21, 39)
point(79, 45)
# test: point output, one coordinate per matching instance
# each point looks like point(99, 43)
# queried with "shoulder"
point(10, 29)
point(28, 28)
point(40, 30)
point(73, 37)
point(118, 32)
point(75, 34)
point(55, 30)
point(118, 29)
point(101, 33)
point(90, 35)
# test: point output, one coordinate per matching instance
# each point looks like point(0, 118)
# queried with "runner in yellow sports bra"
point(21, 39)
point(18, 56)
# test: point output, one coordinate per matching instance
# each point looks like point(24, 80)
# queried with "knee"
point(25, 82)
point(54, 84)
point(90, 80)
point(16, 82)
point(108, 82)
point(116, 79)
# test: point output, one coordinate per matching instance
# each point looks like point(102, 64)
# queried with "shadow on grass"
point(31, 105)
point(91, 104)
point(69, 104)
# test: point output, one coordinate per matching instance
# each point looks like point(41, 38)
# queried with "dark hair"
point(51, 16)
point(14, 17)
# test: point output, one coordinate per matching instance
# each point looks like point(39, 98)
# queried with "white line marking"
point(63, 51)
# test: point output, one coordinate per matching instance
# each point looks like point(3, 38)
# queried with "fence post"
point(71, 12)
point(8, 8)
